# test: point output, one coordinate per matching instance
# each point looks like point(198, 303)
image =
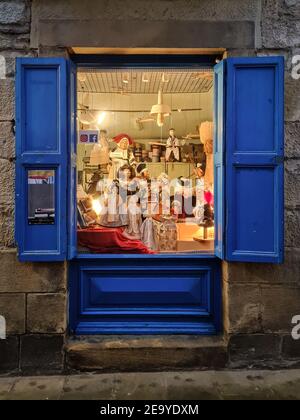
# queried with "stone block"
point(292, 139)
point(144, 354)
point(290, 347)
point(41, 354)
point(251, 273)
point(292, 228)
point(12, 307)
point(9, 355)
point(7, 181)
point(279, 305)
point(14, 12)
point(10, 41)
point(280, 24)
point(46, 313)
point(7, 99)
point(148, 34)
point(292, 183)
point(7, 140)
point(292, 99)
point(30, 277)
point(243, 314)
point(10, 55)
point(254, 350)
point(7, 227)
point(139, 9)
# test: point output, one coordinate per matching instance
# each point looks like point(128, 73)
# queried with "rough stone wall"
point(259, 299)
point(32, 296)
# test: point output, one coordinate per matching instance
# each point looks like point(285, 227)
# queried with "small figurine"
point(173, 147)
point(111, 214)
point(133, 230)
point(129, 200)
point(143, 172)
point(122, 155)
point(144, 183)
point(148, 233)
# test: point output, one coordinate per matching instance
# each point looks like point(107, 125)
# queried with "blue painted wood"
point(41, 143)
point(72, 161)
point(182, 256)
point(254, 163)
point(109, 61)
point(139, 297)
point(219, 145)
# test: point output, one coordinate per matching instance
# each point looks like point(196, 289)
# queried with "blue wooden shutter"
point(41, 145)
point(72, 184)
point(254, 159)
point(219, 144)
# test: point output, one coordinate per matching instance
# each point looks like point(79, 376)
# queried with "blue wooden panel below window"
point(128, 297)
point(254, 159)
point(41, 145)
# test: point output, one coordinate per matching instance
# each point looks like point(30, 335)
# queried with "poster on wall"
point(88, 136)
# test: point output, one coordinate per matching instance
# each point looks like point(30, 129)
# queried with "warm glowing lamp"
point(206, 232)
point(101, 117)
point(97, 207)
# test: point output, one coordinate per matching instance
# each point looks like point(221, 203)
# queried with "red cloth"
point(110, 241)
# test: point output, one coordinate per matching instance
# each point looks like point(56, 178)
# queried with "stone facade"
point(259, 299)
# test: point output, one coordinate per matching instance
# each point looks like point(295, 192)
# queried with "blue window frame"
point(248, 153)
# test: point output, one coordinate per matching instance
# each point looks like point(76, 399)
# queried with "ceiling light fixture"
point(145, 78)
point(163, 79)
point(160, 110)
point(126, 79)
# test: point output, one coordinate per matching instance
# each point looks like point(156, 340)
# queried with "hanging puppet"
point(173, 147)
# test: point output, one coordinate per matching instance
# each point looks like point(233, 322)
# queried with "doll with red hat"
point(122, 155)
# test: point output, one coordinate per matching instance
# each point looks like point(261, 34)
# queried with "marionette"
point(129, 201)
point(111, 214)
point(173, 147)
point(144, 183)
point(148, 233)
point(122, 155)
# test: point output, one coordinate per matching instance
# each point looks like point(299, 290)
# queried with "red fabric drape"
point(110, 241)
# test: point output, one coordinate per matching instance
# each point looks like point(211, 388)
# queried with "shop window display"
point(145, 161)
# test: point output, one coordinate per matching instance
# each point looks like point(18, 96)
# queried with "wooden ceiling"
point(145, 81)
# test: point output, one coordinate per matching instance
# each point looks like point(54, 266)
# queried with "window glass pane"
point(145, 160)
point(41, 197)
